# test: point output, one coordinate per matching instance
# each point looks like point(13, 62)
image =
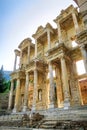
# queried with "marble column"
point(51, 89)
point(59, 87)
point(75, 22)
point(35, 89)
point(20, 58)
point(35, 48)
point(84, 55)
point(17, 97)
point(11, 95)
point(48, 38)
point(59, 33)
point(65, 83)
point(26, 93)
point(15, 62)
point(28, 54)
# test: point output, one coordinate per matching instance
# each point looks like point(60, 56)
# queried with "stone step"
point(50, 122)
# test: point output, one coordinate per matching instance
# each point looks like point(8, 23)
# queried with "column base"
point(14, 110)
point(24, 108)
point(66, 105)
point(33, 108)
point(51, 105)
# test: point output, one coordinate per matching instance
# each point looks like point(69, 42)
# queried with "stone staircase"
point(64, 125)
point(60, 119)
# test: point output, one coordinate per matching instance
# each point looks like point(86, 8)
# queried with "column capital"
point(62, 56)
point(26, 73)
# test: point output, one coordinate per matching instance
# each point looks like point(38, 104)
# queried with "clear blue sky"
point(19, 19)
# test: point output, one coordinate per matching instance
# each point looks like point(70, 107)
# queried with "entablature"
point(18, 74)
point(42, 31)
point(75, 53)
point(36, 64)
point(56, 52)
point(25, 43)
point(65, 13)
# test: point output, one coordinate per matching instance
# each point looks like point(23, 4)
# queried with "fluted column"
point(65, 83)
point(15, 62)
point(59, 33)
point(75, 22)
point(51, 89)
point(17, 97)
point(28, 54)
point(35, 89)
point(26, 93)
point(11, 95)
point(35, 48)
point(48, 38)
point(84, 55)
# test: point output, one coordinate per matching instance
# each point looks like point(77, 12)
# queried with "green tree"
point(3, 87)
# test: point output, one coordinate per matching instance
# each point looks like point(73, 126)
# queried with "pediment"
point(40, 29)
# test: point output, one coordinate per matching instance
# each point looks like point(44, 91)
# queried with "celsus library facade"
point(48, 75)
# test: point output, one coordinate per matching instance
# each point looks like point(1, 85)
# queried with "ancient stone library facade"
point(48, 76)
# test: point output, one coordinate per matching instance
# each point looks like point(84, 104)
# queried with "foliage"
point(4, 85)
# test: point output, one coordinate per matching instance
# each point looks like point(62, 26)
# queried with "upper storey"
point(26, 51)
point(47, 38)
point(44, 39)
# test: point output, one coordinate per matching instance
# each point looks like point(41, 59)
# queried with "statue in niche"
point(39, 94)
